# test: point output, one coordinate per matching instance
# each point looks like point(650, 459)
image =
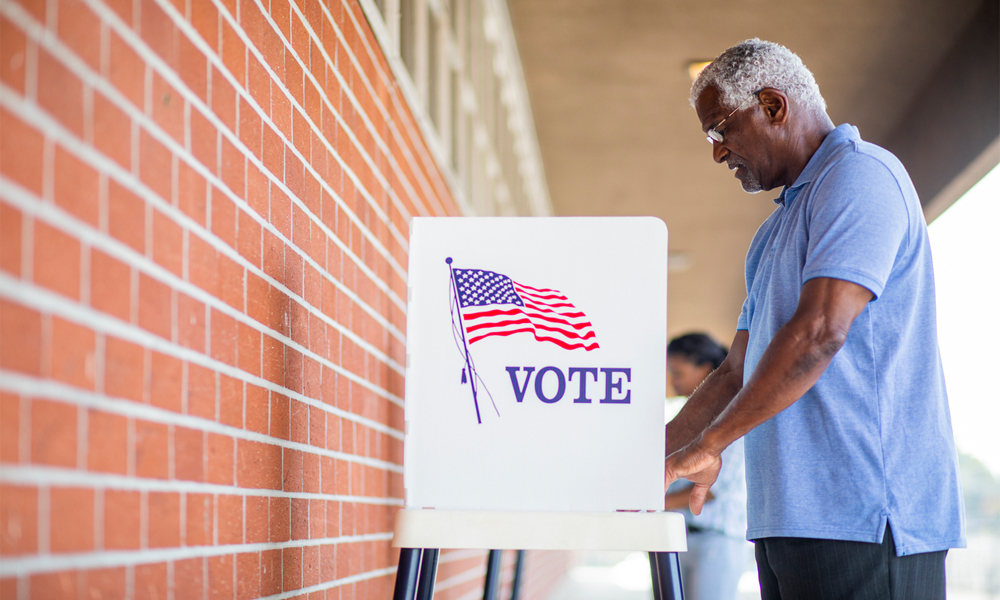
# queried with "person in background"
point(712, 566)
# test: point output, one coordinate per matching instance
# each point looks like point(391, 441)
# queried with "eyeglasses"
point(714, 135)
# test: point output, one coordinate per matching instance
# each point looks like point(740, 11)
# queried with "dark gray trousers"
point(809, 569)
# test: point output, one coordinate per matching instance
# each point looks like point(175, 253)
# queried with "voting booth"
point(535, 380)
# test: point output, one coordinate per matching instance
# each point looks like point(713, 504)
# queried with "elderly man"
point(834, 375)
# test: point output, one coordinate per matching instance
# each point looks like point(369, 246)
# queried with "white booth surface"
point(516, 530)
point(536, 368)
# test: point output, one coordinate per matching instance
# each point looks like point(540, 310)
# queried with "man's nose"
point(719, 152)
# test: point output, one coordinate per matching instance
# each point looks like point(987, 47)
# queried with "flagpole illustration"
point(465, 346)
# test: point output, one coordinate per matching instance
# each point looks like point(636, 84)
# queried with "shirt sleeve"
point(857, 222)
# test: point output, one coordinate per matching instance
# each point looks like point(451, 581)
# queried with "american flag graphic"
point(493, 304)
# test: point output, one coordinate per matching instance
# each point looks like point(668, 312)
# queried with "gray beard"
point(750, 184)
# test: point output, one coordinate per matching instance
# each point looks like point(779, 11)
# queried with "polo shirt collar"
point(841, 134)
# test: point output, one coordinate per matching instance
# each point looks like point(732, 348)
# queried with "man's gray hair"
point(754, 64)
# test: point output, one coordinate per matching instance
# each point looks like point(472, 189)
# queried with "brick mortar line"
point(16, 196)
point(27, 385)
point(213, 58)
point(472, 594)
point(344, 89)
point(351, 97)
point(390, 123)
point(97, 82)
point(183, 24)
point(410, 134)
point(477, 131)
point(413, 135)
point(13, 566)
point(58, 217)
point(407, 132)
point(464, 577)
point(194, 37)
point(457, 555)
point(394, 63)
point(42, 299)
point(395, 87)
point(426, 158)
point(132, 181)
point(211, 55)
point(376, 136)
point(332, 584)
point(410, 129)
point(42, 475)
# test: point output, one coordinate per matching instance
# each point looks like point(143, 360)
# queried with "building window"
point(455, 114)
point(408, 34)
point(434, 35)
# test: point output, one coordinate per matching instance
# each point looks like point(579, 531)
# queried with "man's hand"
point(697, 465)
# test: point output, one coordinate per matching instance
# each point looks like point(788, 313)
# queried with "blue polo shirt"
point(871, 442)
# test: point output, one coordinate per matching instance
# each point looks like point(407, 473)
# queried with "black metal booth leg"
point(428, 574)
point(492, 575)
point(667, 577)
point(406, 574)
point(515, 586)
point(654, 573)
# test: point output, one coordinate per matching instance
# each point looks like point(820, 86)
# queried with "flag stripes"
point(545, 313)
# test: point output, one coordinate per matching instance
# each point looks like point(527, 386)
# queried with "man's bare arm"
point(711, 397)
point(794, 360)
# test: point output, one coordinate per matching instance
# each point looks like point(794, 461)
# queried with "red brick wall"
point(203, 250)
point(461, 572)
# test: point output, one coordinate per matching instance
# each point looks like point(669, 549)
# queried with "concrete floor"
point(623, 576)
point(973, 574)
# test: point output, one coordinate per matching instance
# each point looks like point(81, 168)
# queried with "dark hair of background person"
point(699, 349)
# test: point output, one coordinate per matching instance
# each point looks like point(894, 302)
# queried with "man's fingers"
point(683, 463)
point(698, 496)
point(670, 476)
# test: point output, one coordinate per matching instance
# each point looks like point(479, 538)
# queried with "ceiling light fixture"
point(678, 261)
point(695, 67)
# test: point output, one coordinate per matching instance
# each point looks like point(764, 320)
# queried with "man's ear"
point(775, 105)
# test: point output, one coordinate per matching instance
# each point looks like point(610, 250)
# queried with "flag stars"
point(477, 287)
